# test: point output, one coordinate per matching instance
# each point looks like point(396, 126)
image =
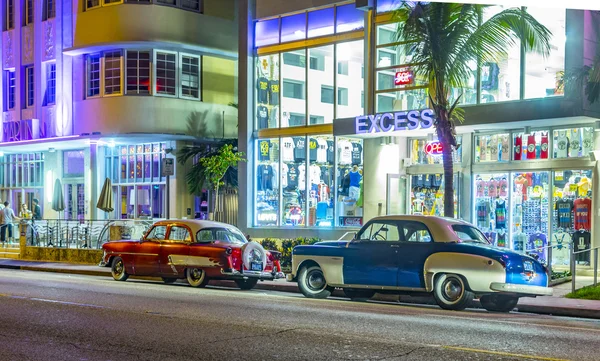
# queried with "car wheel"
point(196, 277)
point(498, 303)
point(117, 269)
point(358, 294)
point(312, 283)
point(451, 293)
point(246, 284)
point(169, 280)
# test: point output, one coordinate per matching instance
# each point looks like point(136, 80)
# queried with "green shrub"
point(270, 244)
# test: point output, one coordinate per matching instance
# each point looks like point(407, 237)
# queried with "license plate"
point(256, 266)
point(528, 266)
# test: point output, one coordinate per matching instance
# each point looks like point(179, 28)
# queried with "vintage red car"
point(197, 250)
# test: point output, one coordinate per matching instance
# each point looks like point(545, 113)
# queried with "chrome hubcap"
point(452, 290)
point(118, 269)
point(315, 280)
point(195, 274)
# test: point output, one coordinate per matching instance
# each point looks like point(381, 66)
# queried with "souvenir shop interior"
point(300, 174)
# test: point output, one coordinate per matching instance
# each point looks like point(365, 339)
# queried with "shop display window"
point(530, 146)
point(350, 201)
point(267, 182)
point(350, 83)
point(573, 142)
point(320, 85)
point(425, 151)
point(402, 100)
point(321, 173)
point(529, 213)
point(572, 215)
point(492, 148)
point(293, 88)
point(293, 181)
point(544, 74)
point(267, 91)
point(427, 194)
point(491, 205)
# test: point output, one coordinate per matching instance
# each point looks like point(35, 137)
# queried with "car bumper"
point(235, 274)
point(521, 289)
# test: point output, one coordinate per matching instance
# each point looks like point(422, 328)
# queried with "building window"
point(342, 96)
point(293, 89)
point(190, 5)
point(108, 2)
point(343, 67)
point(9, 78)
point(91, 4)
point(190, 77)
point(28, 12)
point(326, 94)
point(167, 2)
point(166, 73)
point(29, 89)
point(138, 72)
point(49, 9)
point(295, 59)
point(112, 72)
point(9, 22)
point(50, 96)
point(93, 75)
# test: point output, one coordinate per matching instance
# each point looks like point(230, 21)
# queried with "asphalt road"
point(47, 316)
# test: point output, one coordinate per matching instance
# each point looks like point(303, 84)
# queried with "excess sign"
point(390, 122)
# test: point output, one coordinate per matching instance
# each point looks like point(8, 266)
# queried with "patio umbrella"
point(58, 200)
point(105, 202)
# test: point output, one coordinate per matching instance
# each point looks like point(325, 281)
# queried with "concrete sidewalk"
point(556, 305)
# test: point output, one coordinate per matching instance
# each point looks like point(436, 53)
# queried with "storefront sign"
point(433, 148)
point(350, 221)
point(390, 122)
point(403, 77)
point(29, 129)
point(168, 167)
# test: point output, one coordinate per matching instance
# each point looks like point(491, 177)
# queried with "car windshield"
point(220, 235)
point(468, 233)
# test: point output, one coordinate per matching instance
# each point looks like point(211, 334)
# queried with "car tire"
point(117, 269)
point(358, 294)
point(498, 303)
point(451, 293)
point(247, 284)
point(196, 277)
point(169, 280)
point(312, 283)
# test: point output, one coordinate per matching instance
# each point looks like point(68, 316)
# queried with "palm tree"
point(444, 39)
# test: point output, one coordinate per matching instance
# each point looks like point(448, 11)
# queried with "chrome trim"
point(289, 277)
point(134, 253)
point(381, 288)
point(254, 274)
point(522, 289)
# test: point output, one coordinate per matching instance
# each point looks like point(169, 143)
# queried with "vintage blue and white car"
point(420, 254)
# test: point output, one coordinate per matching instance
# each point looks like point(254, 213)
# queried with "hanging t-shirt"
point(326, 175)
point(292, 176)
point(274, 118)
point(564, 208)
point(505, 148)
point(264, 147)
point(312, 149)
point(344, 152)
point(321, 150)
point(588, 142)
point(284, 175)
point(492, 188)
point(503, 187)
point(287, 150)
point(531, 146)
point(581, 242)
point(560, 249)
point(356, 153)
point(265, 177)
point(301, 177)
point(562, 145)
point(518, 147)
point(501, 239)
point(583, 213)
point(544, 146)
point(493, 148)
point(355, 178)
point(418, 206)
point(315, 174)
point(275, 177)
point(330, 151)
point(479, 187)
point(262, 86)
point(274, 92)
point(299, 149)
point(519, 241)
point(575, 142)
point(262, 115)
point(537, 241)
point(323, 192)
point(482, 209)
point(500, 214)
point(436, 181)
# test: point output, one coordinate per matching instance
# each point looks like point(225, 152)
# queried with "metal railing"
point(574, 264)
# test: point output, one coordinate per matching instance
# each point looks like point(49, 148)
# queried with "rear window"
point(468, 233)
point(220, 235)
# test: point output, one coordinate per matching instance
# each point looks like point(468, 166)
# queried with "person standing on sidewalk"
point(37, 210)
point(8, 217)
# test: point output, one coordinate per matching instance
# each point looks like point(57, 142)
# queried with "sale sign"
point(433, 148)
point(403, 77)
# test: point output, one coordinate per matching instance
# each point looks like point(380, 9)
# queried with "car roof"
point(439, 227)
point(196, 224)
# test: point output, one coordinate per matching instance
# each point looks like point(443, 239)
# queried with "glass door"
point(74, 200)
point(491, 206)
point(395, 194)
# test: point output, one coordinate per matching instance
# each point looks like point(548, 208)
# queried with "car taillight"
point(274, 255)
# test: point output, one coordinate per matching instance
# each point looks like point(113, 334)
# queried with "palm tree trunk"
point(448, 180)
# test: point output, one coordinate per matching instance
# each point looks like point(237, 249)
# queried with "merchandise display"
point(320, 197)
point(349, 182)
point(419, 155)
point(427, 194)
point(492, 148)
point(572, 215)
point(491, 206)
point(267, 91)
point(572, 143)
point(531, 146)
point(267, 182)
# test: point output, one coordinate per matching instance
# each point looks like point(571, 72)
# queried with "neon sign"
point(390, 122)
point(434, 148)
point(403, 77)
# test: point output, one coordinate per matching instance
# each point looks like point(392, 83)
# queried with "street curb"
point(545, 310)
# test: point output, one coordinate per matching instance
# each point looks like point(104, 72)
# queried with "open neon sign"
point(434, 148)
point(403, 77)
